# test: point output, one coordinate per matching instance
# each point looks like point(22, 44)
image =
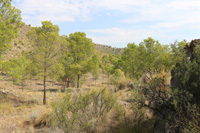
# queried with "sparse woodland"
point(53, 83)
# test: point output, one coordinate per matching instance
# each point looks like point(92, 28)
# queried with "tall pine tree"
point(80, 52)
point(46, 54)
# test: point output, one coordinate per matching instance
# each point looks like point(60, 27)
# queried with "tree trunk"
point(65, 82)
point(78, 84)
point(68, 80)
point(22, 85)
point(44, 98)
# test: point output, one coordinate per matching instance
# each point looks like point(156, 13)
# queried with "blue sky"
point(118, 22)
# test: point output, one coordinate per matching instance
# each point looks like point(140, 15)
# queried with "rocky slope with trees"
point(145, 77)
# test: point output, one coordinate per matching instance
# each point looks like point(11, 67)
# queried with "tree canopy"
point(80, 51)
point(147, 57)
point(10, 20)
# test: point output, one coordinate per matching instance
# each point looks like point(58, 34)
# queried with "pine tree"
point(46, 54)
point(19, 69)
point(10, 21)
point(80, 52)
point(95, 69)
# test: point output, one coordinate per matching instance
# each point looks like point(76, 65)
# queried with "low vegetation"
point(145, 87)
point(82, 112)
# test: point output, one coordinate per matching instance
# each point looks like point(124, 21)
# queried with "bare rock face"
point(190, 48)
point(185, 77)
point(191, 56)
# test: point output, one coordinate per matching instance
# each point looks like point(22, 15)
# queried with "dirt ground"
point(19, 109)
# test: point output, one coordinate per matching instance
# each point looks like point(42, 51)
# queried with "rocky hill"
point(104, 49)
point(22, 43)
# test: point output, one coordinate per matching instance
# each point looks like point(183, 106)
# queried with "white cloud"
point(73, 9)
point(119, 36)
point(35, 11)
point(77, 7)
point(177, 25)
point(161, 17)
point(170, 14)
point(138, 10)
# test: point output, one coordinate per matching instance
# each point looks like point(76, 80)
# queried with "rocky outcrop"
point(175, 80)
point(190, 48)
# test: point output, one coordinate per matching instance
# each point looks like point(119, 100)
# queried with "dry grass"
point(101, 81)
point(6, 108)
point(26, 104)
point(17, 115)
point(17, 106)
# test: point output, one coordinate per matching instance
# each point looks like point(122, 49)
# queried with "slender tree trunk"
point(64, 82)
point(78, 84)
point(30, 82)
point(44, 98)
point(22, 85)
point(68, 82)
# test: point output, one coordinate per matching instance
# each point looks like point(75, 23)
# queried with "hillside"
point(108, 100)
point(104, 49)
point(21, 43)
point(53, 83)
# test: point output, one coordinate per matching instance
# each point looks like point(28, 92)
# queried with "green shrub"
point(118, 79)
point(20, 41)
point(81, 112)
